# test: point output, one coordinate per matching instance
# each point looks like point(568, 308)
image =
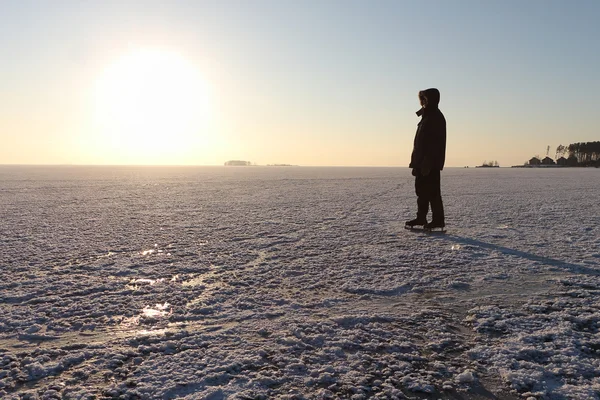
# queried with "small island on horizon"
point(238, 163)
point(488, 164)
point(242, 163)
point(585, 154)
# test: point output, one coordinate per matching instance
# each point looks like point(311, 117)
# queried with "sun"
point(152, 106)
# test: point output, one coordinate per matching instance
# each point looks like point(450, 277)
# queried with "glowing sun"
point(154, 102)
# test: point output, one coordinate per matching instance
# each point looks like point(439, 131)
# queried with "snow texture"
point(297, 283)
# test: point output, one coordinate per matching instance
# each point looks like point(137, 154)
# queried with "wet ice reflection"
point(150, 332)
point(134, 284)
point(159, 310)
point(129, 322)
point(197, 281)
point(154, 250)
point(147, 281)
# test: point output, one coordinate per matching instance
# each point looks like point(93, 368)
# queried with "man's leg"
point(422, 201)
point(437, 207)
point(422, 190)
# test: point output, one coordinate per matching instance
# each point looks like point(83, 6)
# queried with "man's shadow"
point(574, 268)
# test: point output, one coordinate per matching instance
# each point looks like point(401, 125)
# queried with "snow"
point(294, 282)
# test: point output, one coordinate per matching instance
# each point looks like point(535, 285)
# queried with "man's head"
point(429, 98)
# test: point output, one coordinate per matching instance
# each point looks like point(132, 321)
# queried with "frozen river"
point(297, 283)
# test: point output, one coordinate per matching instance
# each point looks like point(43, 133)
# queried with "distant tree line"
point(490, 164)
point(238, 163)
point(584, 153)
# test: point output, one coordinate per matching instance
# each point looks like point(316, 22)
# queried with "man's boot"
point(416, 222)
point(437, 211)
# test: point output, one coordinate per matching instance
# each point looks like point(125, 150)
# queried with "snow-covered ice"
point(292, 283)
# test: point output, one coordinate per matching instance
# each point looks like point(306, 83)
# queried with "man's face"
point(422, 100)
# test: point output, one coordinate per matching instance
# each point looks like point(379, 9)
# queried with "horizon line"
point(212, 165)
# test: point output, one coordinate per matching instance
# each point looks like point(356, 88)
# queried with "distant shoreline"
point(264, 166)
point(553, 166)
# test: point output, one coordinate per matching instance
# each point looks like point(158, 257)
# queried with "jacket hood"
point(433, 98)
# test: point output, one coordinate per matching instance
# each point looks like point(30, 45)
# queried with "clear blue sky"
point(307, 82)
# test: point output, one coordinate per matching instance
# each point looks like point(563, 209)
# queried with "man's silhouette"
point(427, 160)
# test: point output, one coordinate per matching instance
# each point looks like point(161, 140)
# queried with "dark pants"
point(429, 192)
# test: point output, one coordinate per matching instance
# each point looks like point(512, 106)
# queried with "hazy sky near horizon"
point(300, 82)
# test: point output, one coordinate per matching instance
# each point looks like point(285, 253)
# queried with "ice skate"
point(435, 226)
point(415, 223)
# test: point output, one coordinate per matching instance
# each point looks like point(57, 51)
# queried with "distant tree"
point(586, 153)
point(489, 164)
point(573, 150)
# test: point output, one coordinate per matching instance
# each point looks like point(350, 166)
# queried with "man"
point(427, 160)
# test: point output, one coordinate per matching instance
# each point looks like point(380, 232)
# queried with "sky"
point(323, 83)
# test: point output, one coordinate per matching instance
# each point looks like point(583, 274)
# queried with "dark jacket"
point(429, 151)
